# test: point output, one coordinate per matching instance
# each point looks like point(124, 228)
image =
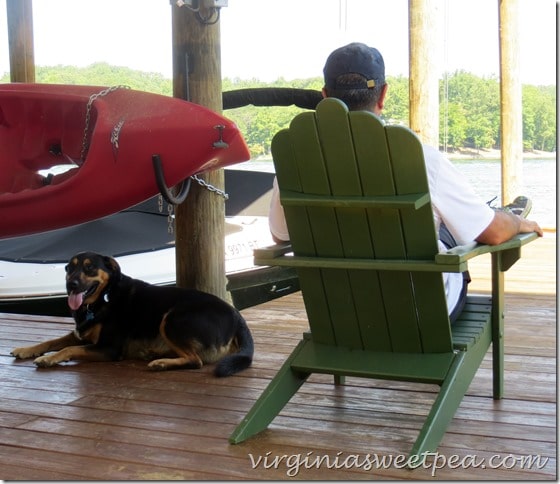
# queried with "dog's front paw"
point(25, 353)
point(158, 365)
point(174, 364)
point(46, 361)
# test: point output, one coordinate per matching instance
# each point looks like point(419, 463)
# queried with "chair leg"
point(451, 394)
point(276, 395)
point(497, 326)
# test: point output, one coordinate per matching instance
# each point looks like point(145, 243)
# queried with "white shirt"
point(453, 201)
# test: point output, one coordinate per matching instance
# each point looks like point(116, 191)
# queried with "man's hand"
point(527, 226)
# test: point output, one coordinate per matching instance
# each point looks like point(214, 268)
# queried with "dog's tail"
point(236, 362)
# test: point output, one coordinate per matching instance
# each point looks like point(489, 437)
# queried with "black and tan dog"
point(118, 317)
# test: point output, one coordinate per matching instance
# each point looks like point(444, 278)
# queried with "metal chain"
point(91, 100)
point(209, 187)
point(170, 217)
point(170, 206)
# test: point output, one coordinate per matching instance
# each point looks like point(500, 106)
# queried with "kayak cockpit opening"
point(41, 141)
point(27, 177)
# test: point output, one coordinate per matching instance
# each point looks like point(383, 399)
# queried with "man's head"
point(355, 74)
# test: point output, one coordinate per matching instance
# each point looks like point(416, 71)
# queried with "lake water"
point(539, 183)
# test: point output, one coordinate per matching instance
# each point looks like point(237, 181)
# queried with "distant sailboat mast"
point(342, 15)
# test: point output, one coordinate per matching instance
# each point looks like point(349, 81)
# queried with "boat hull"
point(109, 156)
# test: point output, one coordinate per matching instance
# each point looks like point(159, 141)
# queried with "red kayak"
point(107, 138)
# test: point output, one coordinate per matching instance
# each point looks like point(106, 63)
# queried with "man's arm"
point(504, 226)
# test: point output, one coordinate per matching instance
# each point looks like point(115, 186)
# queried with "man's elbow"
point(502, 228)
point(491, 237)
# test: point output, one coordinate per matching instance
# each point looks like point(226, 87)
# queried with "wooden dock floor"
point(113, 421)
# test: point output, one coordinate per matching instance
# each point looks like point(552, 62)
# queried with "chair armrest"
point(510, 248)
point(454, 260)
point(282, 255)
point(272, 251)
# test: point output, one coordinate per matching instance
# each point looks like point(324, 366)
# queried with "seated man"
point(355, 74)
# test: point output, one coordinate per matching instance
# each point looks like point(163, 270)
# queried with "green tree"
point(539, 118)
point(477, 99)
point(396, 105)
point(453, 124)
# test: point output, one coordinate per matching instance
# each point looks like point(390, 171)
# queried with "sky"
point(269, 39)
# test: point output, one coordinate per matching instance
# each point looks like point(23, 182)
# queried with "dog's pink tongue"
point(75, 300)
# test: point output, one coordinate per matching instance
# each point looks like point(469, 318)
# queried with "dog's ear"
point(112, 264)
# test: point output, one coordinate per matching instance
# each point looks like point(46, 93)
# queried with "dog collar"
point(90, 313)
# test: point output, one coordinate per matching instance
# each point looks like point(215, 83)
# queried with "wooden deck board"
point(112, 421)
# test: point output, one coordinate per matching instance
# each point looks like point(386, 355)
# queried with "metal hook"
point(164, 189)
point(220, 143)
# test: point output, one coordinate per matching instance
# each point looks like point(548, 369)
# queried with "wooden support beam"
point(200, 246)
point(20, 40)
point(424, 46)
point(510, 101)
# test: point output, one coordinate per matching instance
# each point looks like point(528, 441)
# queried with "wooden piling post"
point(199, 236)
point(510, 101)
point(20, 40)
point(424, 46)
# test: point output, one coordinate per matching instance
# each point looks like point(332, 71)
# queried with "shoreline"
point(495, 155)
point(466, 154)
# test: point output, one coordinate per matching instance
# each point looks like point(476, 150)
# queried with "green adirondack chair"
point(363, 240)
